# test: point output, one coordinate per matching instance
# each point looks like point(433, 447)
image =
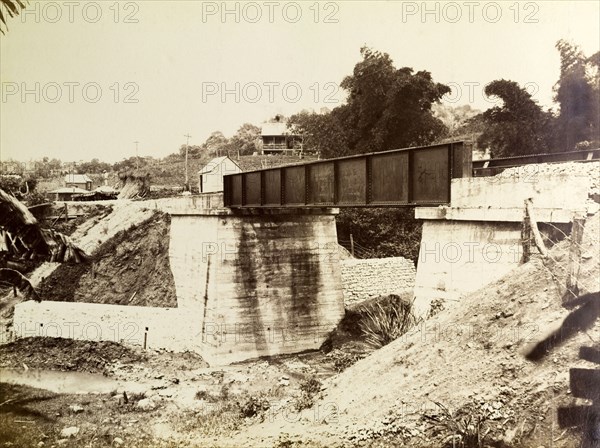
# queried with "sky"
point(83, 80)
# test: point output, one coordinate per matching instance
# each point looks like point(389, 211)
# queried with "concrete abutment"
point(477, 240)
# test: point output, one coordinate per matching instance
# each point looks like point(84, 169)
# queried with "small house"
point(78, 181)
point(210, 177)
point(65, 193)
point(276, 138)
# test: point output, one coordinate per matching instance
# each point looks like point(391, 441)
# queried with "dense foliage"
point(578, 94)
point(385, 232)
point(519, 126)
point(386, 108)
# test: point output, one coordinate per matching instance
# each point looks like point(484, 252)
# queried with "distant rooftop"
point(77, 178)
point(278, 128)
point(69, 190)
point(214, 163)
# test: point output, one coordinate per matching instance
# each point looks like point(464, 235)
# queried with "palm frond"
point(13, 8)
point(19, 281)
point(24, 237)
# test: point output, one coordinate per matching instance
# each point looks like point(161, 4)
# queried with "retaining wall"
point(366, 279)
point(157, 328)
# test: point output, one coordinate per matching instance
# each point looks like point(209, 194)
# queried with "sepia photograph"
point(285, 224)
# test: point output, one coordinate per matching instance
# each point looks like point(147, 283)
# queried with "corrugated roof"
point(77, 178)
point(69, 190)
point(210, 166)
point(106, 189)
point(273, 129)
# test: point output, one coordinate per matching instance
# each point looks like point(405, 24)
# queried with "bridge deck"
point(401, 177)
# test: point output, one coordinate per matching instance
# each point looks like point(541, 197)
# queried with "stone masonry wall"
point(365, 279)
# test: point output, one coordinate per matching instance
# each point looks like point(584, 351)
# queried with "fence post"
point(526, 238)
point(539, 242)
point(351, 245)
point(575, 256)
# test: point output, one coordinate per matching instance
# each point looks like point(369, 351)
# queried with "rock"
point(75, 408)
point(40, 444)
point(118, 441)
point(145, 404)
point(71, 431)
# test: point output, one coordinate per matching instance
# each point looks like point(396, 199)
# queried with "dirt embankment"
point(131, 268)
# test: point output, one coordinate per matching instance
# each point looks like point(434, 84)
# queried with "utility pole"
point(137, 159)
point(187, 145)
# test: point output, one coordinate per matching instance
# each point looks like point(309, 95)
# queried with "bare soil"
point(131, 268)
point(67, 354)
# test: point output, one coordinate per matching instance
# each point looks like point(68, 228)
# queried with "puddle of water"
point(67, 382)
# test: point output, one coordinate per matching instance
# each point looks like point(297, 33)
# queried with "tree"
point(322, 134)
point(384, 232)
point(386, 108)
point(95, 166)
point(194, 151)
point(216, 144)
point(130, 164)
point(246, 139)
point(518, 127)
point(454, 118)
point(577, 93)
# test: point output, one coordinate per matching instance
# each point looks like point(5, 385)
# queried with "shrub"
point(467, 427)
point(342, 360)
point(384, 322)
point(253, 405)
point(309, 388)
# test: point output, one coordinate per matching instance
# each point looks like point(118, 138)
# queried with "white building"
point(210, 177)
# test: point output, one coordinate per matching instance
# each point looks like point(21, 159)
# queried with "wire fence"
point(575, 266)
point(357, 250)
